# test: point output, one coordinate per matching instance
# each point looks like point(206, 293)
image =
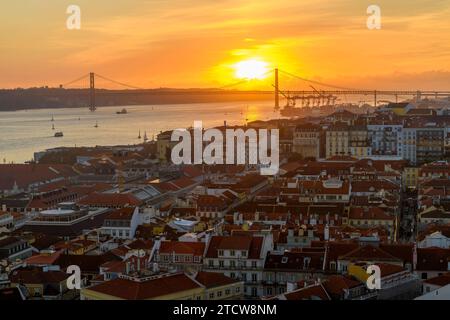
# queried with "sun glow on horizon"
point(251, 69)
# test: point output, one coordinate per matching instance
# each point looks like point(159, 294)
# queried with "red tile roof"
point(441, 280)
point(150, 289)
point(179, 247)
point(315, 292)
point(370, 213)
point(37, 276)
point(213, 279)
point(121, 214)
point(26, 174)
point(252, 244)
point(433, 259)
point(368, 252)
point(110, 200)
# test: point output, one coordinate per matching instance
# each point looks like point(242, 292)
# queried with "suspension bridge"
point(308, 97)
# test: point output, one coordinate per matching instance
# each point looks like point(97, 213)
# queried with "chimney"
point(327, 233)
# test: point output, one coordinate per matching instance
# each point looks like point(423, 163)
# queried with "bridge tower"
point(277, 101)
point(92, 91)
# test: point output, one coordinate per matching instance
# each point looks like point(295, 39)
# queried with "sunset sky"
point(197, 43)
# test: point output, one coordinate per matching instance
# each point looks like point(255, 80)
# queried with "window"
point(254, 277)
point(244, 253)
point(220, 253)
point(221, 264)
point(211, 295)
point(227, 292)
point(254, 292)
point(232, 253)
point(219, 294)
point(254, 264)
point(211, 263)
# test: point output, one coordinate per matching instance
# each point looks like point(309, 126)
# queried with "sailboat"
point(53, 119)
point(96, 124)
point(53, 127)
point(139, 136)
point(145, 137)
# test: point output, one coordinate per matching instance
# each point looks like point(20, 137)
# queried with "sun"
point(251, 69)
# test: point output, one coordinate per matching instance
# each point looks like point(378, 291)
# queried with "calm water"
point(24, 132)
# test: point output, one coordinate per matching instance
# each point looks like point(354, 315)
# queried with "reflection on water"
point(24, 132)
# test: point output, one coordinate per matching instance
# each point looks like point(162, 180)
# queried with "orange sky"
point(195, 43)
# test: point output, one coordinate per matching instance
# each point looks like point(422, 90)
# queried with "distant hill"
point(38, 98)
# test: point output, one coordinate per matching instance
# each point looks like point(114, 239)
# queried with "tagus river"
point(24, 132)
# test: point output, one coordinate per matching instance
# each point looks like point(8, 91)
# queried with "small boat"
point(59, 134)
point(53, 127)
point(139, 136)
point(96, 124)
point(123, 111)
point(145, 137)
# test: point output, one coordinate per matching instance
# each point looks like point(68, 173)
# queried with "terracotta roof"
point(178, 247)
point(213, 279)
point(25, 174)
point(252, 244)
point(43, 259)
point(150, 289)
point(110, 199)
point(295, 261)
point(121, 214)
point(370, 213)
point(87, 263)
point(433, 258)
point(37, 276)
point(315, 292)
point(441, 280)
point(338, 284)
point(387, 269)
point(374, 185)
point(368, 252)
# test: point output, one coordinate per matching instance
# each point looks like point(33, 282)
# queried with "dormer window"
point(244, 253)
point(284, 260)
point(220, 253)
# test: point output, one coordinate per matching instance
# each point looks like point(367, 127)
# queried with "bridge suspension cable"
point(317, 82)
point(118, 82)
point(76, 80)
